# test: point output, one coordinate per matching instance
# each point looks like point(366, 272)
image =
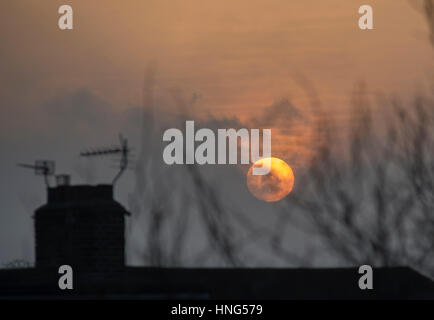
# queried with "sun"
point(275, 185)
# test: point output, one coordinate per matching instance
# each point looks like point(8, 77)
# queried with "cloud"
point(280, 114)
point(73, 120)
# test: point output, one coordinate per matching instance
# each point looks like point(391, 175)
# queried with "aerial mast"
point(123, 150)
point(43, 168)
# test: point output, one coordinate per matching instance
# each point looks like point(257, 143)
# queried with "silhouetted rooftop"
point(224, 283)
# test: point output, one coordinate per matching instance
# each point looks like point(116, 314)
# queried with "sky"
point(232, 61)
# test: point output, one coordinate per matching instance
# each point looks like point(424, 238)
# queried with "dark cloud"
point(75, 120)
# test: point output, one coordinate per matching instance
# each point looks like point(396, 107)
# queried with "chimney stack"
point(81, 226)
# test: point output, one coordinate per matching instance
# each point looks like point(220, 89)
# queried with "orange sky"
point(236, 56)
point(241, 54)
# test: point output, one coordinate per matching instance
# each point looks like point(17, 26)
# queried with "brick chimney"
point(82, 226)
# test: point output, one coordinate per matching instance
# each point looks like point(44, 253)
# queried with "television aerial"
point(123, 150)
point(43, 168)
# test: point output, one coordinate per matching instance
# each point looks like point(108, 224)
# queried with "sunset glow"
point(274, 186)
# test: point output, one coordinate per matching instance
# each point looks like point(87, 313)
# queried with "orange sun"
point(273, 186)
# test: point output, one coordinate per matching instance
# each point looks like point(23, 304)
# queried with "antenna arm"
point(122, 169)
